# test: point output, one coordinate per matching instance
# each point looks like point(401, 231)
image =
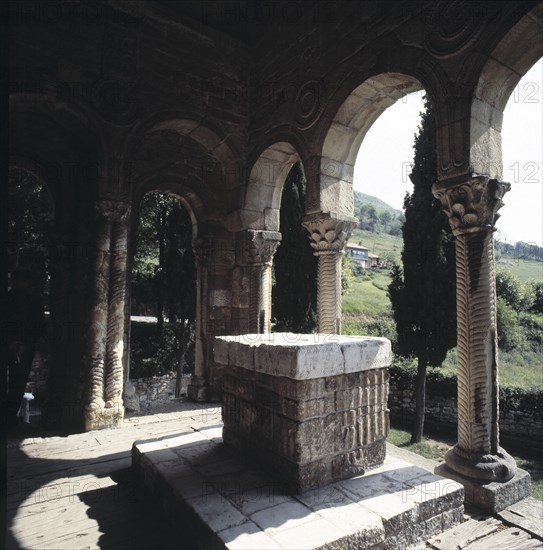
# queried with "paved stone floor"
point(79, 492)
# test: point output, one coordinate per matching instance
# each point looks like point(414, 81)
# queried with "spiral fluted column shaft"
point(477, 343)
point(255, 300)
point(255, 250)
point(265, 299)
point(328, 234)
point(116, 312)
point(99, 312)
point(329, 292)
point(472, 206)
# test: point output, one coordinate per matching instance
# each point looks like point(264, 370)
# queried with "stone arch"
point(262, 199)
point(170, 184)
point(346, 133)
point(510, 60)
point(214, 141)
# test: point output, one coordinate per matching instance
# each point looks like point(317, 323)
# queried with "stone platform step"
point(206, 488)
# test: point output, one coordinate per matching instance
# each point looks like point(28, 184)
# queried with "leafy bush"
point(536, 288)
point(357, 270)
point(508, 328)
point(376, 326)
point(403, 372)
point(153, 355)
point(532, 330)
point(508, 287)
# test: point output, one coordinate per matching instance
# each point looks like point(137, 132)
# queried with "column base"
point(490, 496)
point(481, 467)
point(198, 390)
point(97, 418)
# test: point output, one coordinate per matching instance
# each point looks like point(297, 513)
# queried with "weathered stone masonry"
point(311, 407)
point(112, 99)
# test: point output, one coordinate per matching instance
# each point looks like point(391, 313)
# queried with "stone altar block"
point(312, 408)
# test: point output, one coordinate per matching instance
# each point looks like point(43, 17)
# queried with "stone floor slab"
point(395, 505)
point(526, 514)
point(97, 513)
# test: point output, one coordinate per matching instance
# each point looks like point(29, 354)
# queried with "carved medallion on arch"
point(452, 27)
point(309, 102)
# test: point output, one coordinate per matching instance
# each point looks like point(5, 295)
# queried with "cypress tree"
point(423, 292)
point(294, 293)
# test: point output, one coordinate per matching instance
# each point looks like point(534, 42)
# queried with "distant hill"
point(380, 205)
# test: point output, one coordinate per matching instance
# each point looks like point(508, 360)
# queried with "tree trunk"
point(161, 298)
point(420, 401)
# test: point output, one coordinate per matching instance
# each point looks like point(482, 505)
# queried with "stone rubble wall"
point(157, 390)
point(517, 428)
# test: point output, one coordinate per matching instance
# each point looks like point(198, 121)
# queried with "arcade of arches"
point(214, 102)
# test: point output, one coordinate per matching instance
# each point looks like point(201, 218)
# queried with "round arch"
point(262, 199)
point(169, 184)
point(213, 140)
point(347, 130)
point(510, 60)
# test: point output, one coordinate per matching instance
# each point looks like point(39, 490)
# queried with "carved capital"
point(113, 211)
point(472, 205)
point(258, 247)
point(328, 234)
point(211, 251)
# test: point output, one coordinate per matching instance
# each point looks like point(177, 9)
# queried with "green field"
point(382, 244)
point(367, 298)
point(522, 368)
point(367, 310)
point(525, 270)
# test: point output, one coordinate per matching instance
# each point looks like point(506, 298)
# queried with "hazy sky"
point(382, 165)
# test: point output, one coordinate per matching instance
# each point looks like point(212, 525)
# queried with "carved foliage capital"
point(210, 251)
point(327, 233)
point(472, 205)
point(258, 247)
point(113, 211)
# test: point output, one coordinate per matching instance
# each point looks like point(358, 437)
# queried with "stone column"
point(477, 460)
point(97, 336)
point(328, 236)
point(105, 342)
point(198, 387)
point(117, 307)
point(255, 250)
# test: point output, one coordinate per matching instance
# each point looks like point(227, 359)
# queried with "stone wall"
point(517, 428)
point(156, 391)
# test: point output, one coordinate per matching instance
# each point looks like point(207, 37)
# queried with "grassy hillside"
point(384, 245)
point(380, 205)
point(525, 270)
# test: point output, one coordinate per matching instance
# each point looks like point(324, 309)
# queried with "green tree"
point(30, 209)
point(368, 217)
point(537, 293)
point(508, 327)
point(294, 293)
point(423, 292)
point(385, 217)
point(517, 295)
point(164, 280)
